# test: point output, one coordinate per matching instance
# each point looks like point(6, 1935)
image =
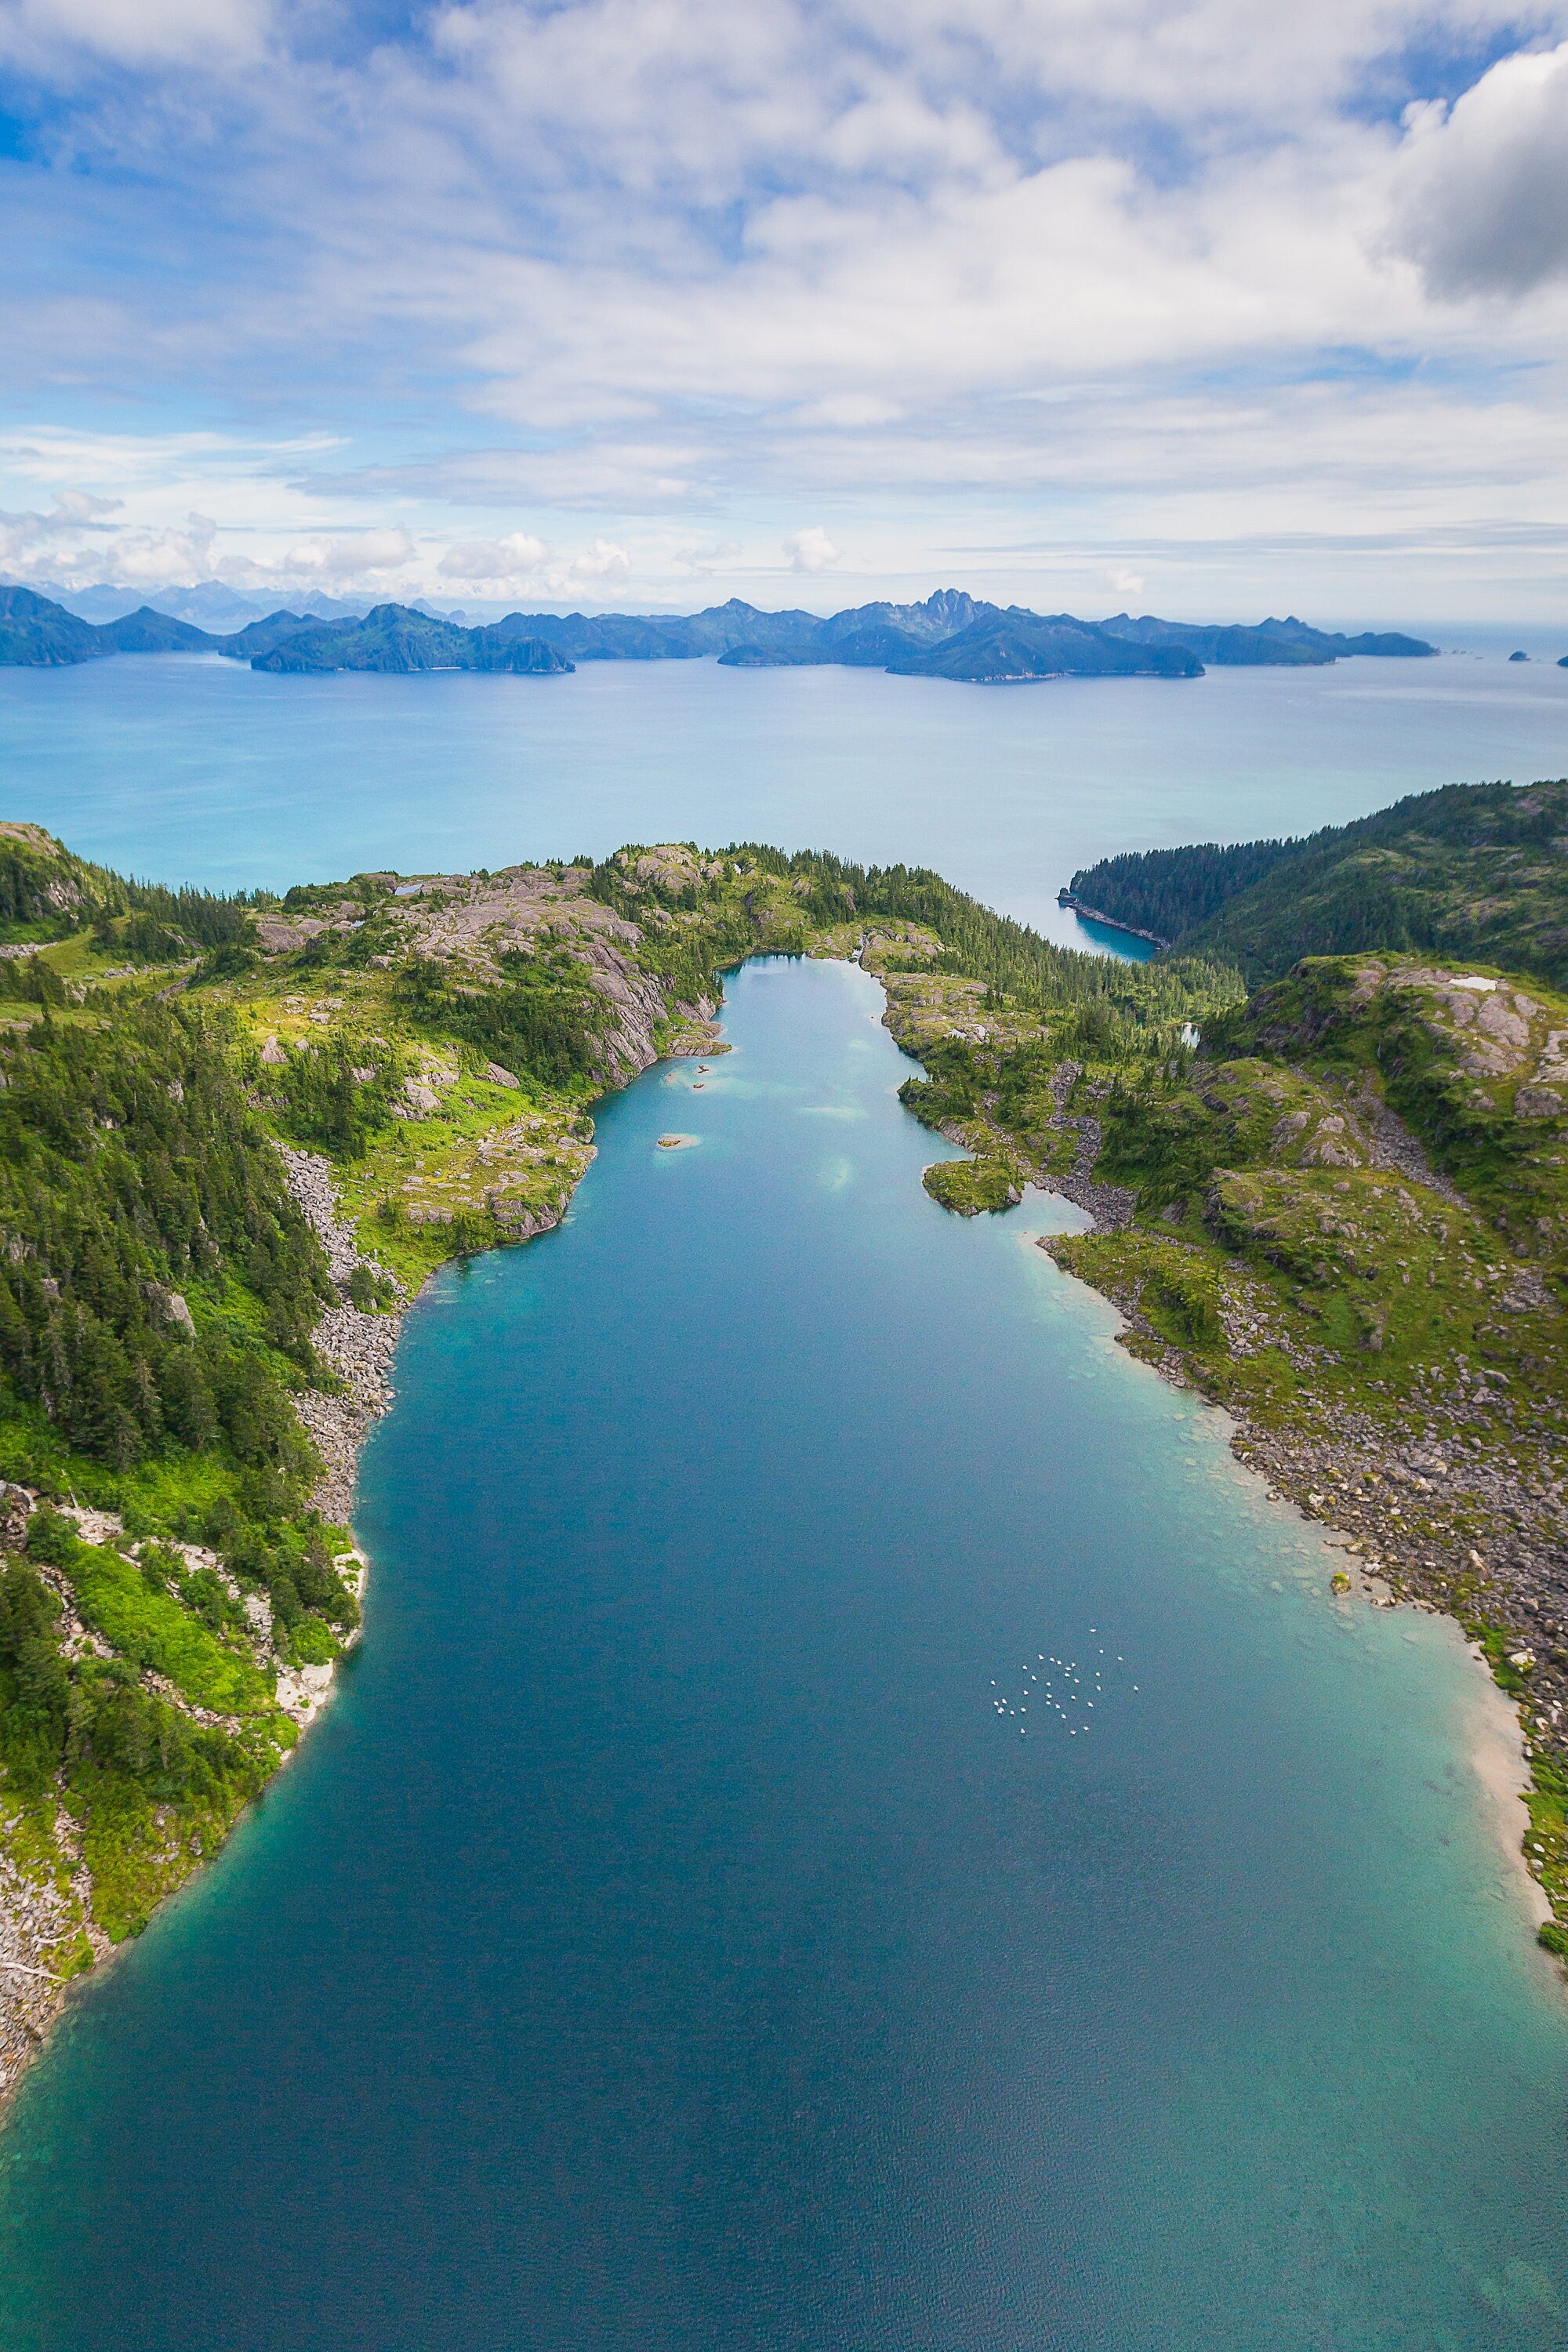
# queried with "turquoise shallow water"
point(195, 769)
point(676, 1938)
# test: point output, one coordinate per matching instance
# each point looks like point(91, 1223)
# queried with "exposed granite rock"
point(470, 920)
point(358, 1347)
point(1111, 1205)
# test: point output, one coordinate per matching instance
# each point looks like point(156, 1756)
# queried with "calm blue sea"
point(854, 1824)
point(195, 769)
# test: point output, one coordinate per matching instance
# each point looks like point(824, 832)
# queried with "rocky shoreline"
point(1111, 922)
point(1438, 1518)
point(1453, 1504)
point(358, 1346)
point(1444, 1514)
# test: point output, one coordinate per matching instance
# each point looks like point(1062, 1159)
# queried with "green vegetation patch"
point(1168, 1132)
point(147, 1625)
point(969, 1186)
point(150, 1792)
point(154, 1794)
point(1475, 1061)
point(1176, 1287)
point(542, 1014)
point(1390, 1271)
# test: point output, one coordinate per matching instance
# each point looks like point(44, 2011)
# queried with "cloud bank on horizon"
point(1170, 302)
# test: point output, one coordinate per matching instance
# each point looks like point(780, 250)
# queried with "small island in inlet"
point(1323, 1139)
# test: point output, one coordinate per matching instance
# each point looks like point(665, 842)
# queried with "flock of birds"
point(1070, 1689)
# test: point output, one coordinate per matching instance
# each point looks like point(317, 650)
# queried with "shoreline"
point(1110, 922)
point(1503, 1751)
point(1498, 1758)
point(47, 1893)
point(1389, 1558)
point(359, 1347)
point(1496, 1745)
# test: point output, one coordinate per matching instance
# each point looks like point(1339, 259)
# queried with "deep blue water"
point(676, 1938)
point(198, 770)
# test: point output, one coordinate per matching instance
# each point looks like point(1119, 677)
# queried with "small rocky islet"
point(237, 1135)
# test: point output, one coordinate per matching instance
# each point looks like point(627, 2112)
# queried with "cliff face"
point(469, 922)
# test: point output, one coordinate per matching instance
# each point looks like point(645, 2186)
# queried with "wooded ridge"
point(1468, 870)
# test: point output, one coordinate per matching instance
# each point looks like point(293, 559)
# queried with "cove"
point(694, 1926)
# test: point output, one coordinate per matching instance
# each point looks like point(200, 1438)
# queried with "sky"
point(1195, 307)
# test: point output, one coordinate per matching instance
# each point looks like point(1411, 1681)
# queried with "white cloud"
point(161, 559)
point(603, 561)
point(847, 411)
point(1481, 200)
point(810, 550)
point(47, 35)
point(27, 538)
point(39, 547)
point(362, 555)
point(518, 564)
point(702, 562)
point(515, 557)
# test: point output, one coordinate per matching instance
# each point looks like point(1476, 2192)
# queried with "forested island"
point(237, 1134)
point(951, 635)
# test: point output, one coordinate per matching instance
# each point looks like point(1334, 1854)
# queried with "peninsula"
point(237, 1134)
point(950, 635)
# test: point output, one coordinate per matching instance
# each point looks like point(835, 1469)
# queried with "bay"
point(198, 769)
point(693, 1924)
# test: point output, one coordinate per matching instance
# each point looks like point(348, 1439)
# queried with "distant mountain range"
point(950, 635)
point(211, 604)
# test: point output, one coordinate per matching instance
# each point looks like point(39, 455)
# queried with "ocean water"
point(854, 1826)
point(197, 769)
